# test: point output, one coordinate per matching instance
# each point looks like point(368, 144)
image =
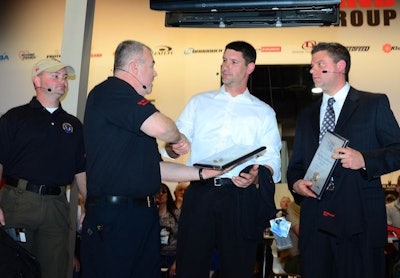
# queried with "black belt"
point(41, 189)
point(219, 181)
point(148, 201)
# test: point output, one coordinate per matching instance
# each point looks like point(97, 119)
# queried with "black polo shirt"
point(39, 146)
point(121, 159)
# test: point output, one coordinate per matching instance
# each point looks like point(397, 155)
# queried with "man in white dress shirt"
point(224, 213)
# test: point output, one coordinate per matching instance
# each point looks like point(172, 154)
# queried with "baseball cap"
point(51, 65)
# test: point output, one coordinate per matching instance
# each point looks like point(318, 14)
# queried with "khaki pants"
point(46, 223)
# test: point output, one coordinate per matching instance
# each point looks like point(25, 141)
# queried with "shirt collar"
point(340, 96)
point(222, 93)
point(36, 104)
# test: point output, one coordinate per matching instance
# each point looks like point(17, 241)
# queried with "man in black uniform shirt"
point(120, 235)
point(41, 152)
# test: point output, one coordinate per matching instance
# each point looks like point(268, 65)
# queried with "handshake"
point(176, 149)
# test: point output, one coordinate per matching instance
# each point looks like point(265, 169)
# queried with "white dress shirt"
point(214, 121)
point(339, 97)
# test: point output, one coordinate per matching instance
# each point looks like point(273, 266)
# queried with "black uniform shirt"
point(121, 159)
point(39, 146)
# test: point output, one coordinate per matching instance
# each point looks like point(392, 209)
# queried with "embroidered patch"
point(68, 128)
point(327, 214)
point(143, 102)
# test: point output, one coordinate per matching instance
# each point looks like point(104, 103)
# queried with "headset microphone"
point(48, 89)
point(143, 86)
point(325, 71)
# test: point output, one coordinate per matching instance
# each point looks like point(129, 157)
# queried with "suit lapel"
point(349, 106)
point(315, 120)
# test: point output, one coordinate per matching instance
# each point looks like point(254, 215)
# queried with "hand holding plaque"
point(322, 165)
point(231, 157)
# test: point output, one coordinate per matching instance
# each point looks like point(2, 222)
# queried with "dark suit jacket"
point(357, 204)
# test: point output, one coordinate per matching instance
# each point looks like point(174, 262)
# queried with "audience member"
point(393, 208)
point(169, 220)
point(179, 192)
point(390, 198)
point(223, 213)
point(393, 222)
point(343, 234)
point(120, 235)
point(291, 257)
point(41, 152)
point(284, 204)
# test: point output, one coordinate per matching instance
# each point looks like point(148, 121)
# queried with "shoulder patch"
point(143, 102)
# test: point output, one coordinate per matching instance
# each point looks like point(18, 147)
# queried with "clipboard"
point(234, 155)
point(322, 165)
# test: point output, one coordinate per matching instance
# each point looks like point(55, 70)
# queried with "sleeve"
point(186, 119)
point(272, 140)
point(296, 169)
point(5, 138)
point(133, 109)
point(385, 158)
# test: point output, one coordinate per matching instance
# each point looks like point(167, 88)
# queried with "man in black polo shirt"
point(41, 152)
point(120, 235)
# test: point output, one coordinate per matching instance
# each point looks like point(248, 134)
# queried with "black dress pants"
point(210, 219)
point(120, 241)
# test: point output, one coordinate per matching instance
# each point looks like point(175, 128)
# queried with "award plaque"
point(322, 165)
point(230, 157)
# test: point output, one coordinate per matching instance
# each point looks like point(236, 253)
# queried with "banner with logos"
point(187, 59)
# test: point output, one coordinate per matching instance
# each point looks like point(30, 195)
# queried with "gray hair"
point(127, 50)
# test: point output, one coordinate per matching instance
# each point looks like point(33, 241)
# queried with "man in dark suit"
point(344, 233)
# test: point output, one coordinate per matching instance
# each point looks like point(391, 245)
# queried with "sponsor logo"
point(387, 48)
point(192, 50)
point(58, 56)
point(163, 50)
point(54, 56)
point(26, 55)
point(367, 13)
point(358, 48)
point(271, 49)
point(305, 47)
point(308, 45)
point(96, 55)
point(4, 57)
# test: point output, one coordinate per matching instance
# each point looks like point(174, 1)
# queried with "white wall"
point(35, 29)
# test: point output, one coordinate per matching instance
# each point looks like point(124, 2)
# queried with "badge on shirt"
point(68, 128)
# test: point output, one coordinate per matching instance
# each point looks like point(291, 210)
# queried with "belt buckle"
point(42, 189)
point(217, 182)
